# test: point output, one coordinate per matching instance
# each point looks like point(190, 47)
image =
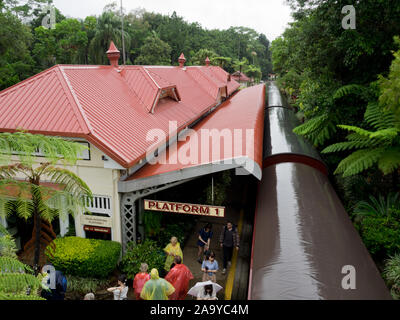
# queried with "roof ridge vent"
point(113, 54)
point(182, 60)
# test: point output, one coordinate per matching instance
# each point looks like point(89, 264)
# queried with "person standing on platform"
point(140, 279)
point(210, 268)
point(228, 239)
point(156, 288)
point(172, 250)
point(179, 276)
point(203, 242)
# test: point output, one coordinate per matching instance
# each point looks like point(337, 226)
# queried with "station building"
point(111, 109)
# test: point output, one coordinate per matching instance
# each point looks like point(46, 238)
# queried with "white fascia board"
point(192, 172)
point(112, 164)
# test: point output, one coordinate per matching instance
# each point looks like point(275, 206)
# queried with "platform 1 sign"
point(184, 208)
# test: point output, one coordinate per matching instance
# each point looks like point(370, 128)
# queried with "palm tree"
point(108, 29)
point(22, 177)
point(240, 64)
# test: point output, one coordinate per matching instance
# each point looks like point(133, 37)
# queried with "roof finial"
point(182, 60)
point(113, 54)
point(207, 62)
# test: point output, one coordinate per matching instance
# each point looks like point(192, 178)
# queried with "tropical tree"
point(22, 176)
point(223, 62)
point(253, 72)
point(16, 62)
point(154, 52)
point(108, 29)
point(200, 56)
point(240, 65)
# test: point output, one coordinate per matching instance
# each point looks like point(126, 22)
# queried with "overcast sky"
point(265, 16)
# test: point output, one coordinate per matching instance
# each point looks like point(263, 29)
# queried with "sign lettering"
point(184, 208)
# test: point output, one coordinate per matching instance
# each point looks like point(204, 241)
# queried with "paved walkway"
point(239, 275)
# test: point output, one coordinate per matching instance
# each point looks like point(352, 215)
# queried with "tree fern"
point(31, 198)
point(350, 89)
point(377, 147)
point(317, 129)
point(359, 161)
point(389, 161)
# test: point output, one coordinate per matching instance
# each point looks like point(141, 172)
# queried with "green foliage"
point(25, 145)
point(318, 129)
point(223, 62)
point(147, 252)
point(379, 207)
point(381, 147)
point(152, 222)
point(84, 285)
point(163, 237)
point(390, 87)
point(392, 275)
point(253, 72)
point(7, 244)
point(381, 236)
point(16, 62)
point(380, 224)
point(199, 58)
point(84, 257)
point(15, 277)
point(349, 90)
point(154, 52)
point(222, 182)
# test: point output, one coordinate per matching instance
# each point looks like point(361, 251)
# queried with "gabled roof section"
point(41, 104)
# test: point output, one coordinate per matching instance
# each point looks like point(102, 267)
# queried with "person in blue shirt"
point(210, 268)
point(203, 241)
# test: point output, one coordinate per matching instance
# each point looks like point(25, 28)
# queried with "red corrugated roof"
point(245, 110)
point(107, 106)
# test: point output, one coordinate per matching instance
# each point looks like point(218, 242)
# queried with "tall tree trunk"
point(37, 227)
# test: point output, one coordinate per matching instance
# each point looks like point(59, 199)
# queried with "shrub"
point(147, 252)
point(85, 285)
point(165, 235)
point(392, 275)
point(84, 257)
point(381, 235)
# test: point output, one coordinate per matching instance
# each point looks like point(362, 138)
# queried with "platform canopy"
point(230, 137)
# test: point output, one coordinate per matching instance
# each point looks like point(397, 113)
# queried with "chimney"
point(113, 55)
point(208, 62)
point(181, 60)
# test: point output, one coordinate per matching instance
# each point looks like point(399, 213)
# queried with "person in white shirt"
point(120, 292)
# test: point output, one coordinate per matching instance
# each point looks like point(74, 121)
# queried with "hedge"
point(84, 257)
point(147, 252)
